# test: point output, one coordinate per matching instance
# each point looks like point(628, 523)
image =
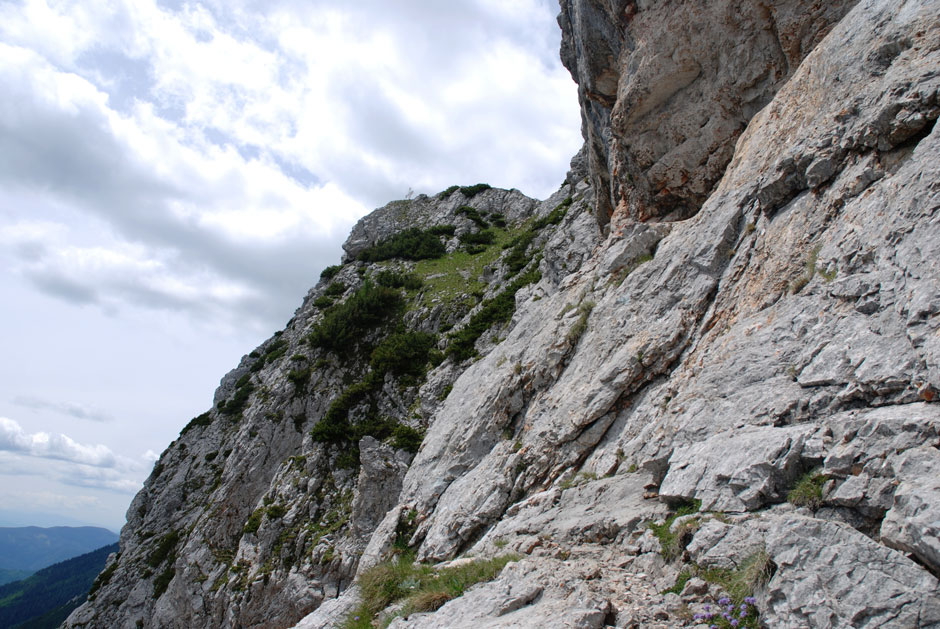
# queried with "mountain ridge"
point(32, 548)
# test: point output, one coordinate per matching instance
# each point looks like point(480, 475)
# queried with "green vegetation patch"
point(442, 230)
point(253, 523)
point(808, 490)
point(342, 326)
point(165, 549)
point(335, 289)
point(323, 302)
point(555, 216)
point(580, 326)
point(410, 244)
point(299, 377)
point(482, 237)
point(200, 420)
point(499, 309)
point(330, 272)
point(403, 353)
point(393, 279)
point(739, 607)
point(474, 190)
point(673, 542)
point(517, 258)
point(420, 587)
point(238, 402)
point(473, 215)
point(162, 582)
point(453, 280)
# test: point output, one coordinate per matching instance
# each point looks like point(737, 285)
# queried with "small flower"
point(743, 613)
point(724, 600)
point(726, 616)
point(708, 608)
point(750, 600)
point(734, 623)
point(698, 616)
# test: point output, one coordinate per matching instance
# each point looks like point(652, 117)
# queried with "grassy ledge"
point(420, 587)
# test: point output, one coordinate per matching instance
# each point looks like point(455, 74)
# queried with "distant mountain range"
point(24, 550)
point(45, 599)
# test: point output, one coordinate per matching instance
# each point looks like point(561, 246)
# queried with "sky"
point(174, 175)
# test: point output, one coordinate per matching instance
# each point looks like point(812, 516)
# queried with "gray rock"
point(736, 471)
point(381, 471)
point(819, 582)
point(663, 106)
point(572, 516)
point(912, 524)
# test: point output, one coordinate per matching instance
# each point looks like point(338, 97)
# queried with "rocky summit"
point(697, 386)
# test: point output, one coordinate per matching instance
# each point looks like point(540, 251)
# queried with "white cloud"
point(67, 462)
point(98, 478)
point(150, 456)
point(71, 409)
point(54, 446)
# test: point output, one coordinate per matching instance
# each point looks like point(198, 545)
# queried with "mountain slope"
point(53, 592)
point(708, 367)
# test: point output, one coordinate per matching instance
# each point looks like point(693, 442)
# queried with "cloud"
point(98, 478)
point(54, 446)
point(150, 456)
point(209, 158)
point(71, 409)
point(67, 461)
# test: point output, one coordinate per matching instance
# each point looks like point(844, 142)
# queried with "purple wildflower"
point(750, 600)
point(698, 616)
point(708, 608)
point(734, 623)
point(743, 607)
point(724, 600)
point(743, 612)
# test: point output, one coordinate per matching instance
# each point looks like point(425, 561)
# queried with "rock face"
point(667, 87)
point(709, 365)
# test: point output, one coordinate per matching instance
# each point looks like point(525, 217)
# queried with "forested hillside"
point(46, 598)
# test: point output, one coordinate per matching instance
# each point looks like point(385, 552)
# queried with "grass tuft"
point(808, 490)
point(673, 542)
point(421, 587)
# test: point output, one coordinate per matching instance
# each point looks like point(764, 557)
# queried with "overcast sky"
point(174, 176)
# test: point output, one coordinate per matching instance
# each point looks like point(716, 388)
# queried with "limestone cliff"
point(708, 366)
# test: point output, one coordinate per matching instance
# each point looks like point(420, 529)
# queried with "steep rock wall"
point(666, 88)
